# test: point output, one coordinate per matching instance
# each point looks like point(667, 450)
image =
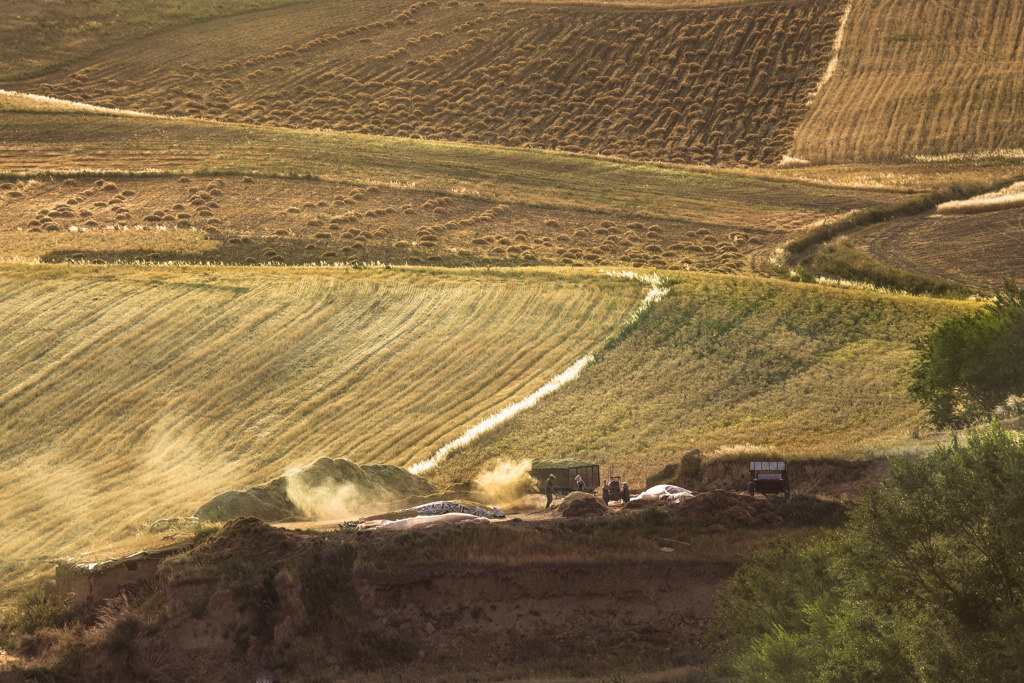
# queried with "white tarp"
point(665, 492)
point(431, 521)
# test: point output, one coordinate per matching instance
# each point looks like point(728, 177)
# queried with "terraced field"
point(921, 77)
point(132, 394)
point(717, 85)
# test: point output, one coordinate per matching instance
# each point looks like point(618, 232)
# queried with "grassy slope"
point(36, 142)
point(922, 77)
point(131, 394)
point(725, 361)
point(38, 35)
point(901, 176)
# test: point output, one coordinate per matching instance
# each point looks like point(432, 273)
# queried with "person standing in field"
point(549, 490)
point(579, 483)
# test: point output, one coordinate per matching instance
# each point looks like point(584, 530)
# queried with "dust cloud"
point(332, 500)
point(507, 484)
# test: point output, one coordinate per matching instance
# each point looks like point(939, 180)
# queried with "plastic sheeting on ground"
point(443, 507)
point(665, 492)
point(449, 519)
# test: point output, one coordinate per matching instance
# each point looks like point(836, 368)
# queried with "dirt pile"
point(729, 510)
point(327, 488)
point(834, 477)
point(579, 504)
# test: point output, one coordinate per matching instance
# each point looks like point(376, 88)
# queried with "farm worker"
point(625, 492)
point(579, 483)
point(549, 490)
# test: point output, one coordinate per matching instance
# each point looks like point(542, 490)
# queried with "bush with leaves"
point(926, 583)
point(970, 365)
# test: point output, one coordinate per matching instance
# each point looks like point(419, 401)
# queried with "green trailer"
point(565, 472)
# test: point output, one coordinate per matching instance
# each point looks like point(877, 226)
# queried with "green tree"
point(925, 584)
point(971, 364)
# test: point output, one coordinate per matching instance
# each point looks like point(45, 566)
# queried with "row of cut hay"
point(1011, 197)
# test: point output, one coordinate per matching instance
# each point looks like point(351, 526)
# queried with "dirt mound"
point(730, 510)
point(328, 478)
point(246, 537)
point(579, 504)
point(839, 478)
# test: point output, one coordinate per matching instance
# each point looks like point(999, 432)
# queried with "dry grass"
point(979, 250)
point(227, 220)
point(921, 77)
point(1011, 197)
point(39, 35)
point(697, 85)
point(134, 394)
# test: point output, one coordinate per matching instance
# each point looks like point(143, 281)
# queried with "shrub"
point(925, 583)
point(971, 364)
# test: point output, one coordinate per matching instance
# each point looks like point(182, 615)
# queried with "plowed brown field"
point(978, 250)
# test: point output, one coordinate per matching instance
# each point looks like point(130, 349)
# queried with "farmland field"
point(797, 370)
point(717, 85)
point(457, 236)
point(132, 394)
point(921, 77)
point(380, 199)
point(979, 250)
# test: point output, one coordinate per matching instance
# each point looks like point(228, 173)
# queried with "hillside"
point(42, 34)
point(132, 394)
point(800, 370)
point(715, 85)
point(921, 77)
point(376, 199)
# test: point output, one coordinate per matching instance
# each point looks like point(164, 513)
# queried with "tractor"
point(614, 489)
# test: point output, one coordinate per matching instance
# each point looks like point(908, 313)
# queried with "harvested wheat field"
point(921, 77)
point(195, 191)
point(132, 394)
point(694, 85)
point(249, 219)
